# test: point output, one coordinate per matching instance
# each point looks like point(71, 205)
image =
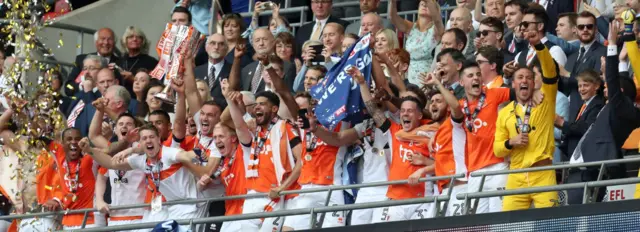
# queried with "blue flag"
point(337, 94)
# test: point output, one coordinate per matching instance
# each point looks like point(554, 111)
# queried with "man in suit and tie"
point(448, 70)
point(366, 7)
point(216, 68)
point(587, 58)
point(252, 78)
point(617, 119)
point(514, 11)
point(574, 127)
point(313, 30)
point(105, 42)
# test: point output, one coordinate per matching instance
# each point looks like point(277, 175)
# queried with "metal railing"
point(321, 210)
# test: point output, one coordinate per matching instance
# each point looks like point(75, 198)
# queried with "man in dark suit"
point(81, 111)
point(514, 11)
point(617, 119)
point(587, 58)
point(105, 42)
point(253, 75)
point(313, 30)
point(216, 68)
point(554, 8)
point(574, 127)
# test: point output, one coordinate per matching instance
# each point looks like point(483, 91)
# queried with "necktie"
point(212, 76)
point(580, 55)
point(581, 111)
point(317, 31)
point(530, 55)
point(512, 46)
point(256, 78)
point(71, 121)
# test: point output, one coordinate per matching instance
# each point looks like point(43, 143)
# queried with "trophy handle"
point(167, 95)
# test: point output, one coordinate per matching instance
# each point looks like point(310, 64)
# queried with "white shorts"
point(231, 226)
point(364, 216)
point(313, 200)
point(256, 205)
point(99, 219)
point(491, 183)
point(36, 225)
point(126, 222)
point(403, 212)
point(455, 207)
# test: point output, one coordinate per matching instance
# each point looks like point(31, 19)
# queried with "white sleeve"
point(196, 119)
point(137, 162)
point(558, 55)
point(213, 151)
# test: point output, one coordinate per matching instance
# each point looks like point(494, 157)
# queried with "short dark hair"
point(287, 38)
point(270, 96)
point(416, 89)
point(493, 55)
point(149, 126)
point(234, 17)
point(495, 23)
point(586, 14)
point(413, 99)
point(519, 3)
point(273, 59)
point(461, 37)
point(161, 113)
point(456, 55)
point(540, 15)
point(181, 9)
point(573, 17)
point(304, 94)
point(212, 103)
point(67, 130)
point(468, 64)
point(320, 68)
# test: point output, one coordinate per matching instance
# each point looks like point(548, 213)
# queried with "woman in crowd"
point(232, 27)
point(136, 48)
point(286, 49)
point(140, 82)
point(423, 36)
point(151, 102)
point(386, 40)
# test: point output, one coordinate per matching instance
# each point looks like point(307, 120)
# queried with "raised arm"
point(95, 128)
point(242, 130)
point(191, 91)
point(372, 107)
point(396, 79)
point(338, 139)
point(378, 74)
point(234, 75)
point(397, 21)
point(180, 121)
point(477, 13)
point(282, 90)
point(620, 103)
point(436, 19)
point(101, 157)
point(452, 101)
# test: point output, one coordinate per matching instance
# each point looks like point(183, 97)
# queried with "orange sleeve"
point(103, 171)
point(501, 94)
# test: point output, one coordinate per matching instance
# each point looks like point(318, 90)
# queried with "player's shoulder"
point(505, 108)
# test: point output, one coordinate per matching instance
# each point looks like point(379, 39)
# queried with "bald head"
point(371, 22)
point(263, 41)
point(216, 47)
point(461, 18)
point(106, 78)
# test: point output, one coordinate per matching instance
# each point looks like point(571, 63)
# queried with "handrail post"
point(449, 190)
point(326, 203)
point(472, 208)
point(467, 202)
point(585, 195)
point(84, 219)
point(312, 219)
point(594, 193)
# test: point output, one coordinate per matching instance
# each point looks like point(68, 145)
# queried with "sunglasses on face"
point(525, 24)
point(583, 26)
point(485, 33)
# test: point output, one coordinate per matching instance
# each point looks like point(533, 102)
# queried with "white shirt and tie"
point(556, 52)
point(213, 72)
point(316, 32)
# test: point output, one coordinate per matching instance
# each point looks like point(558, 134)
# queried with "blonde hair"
point(133, 31)
point(391, 36)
